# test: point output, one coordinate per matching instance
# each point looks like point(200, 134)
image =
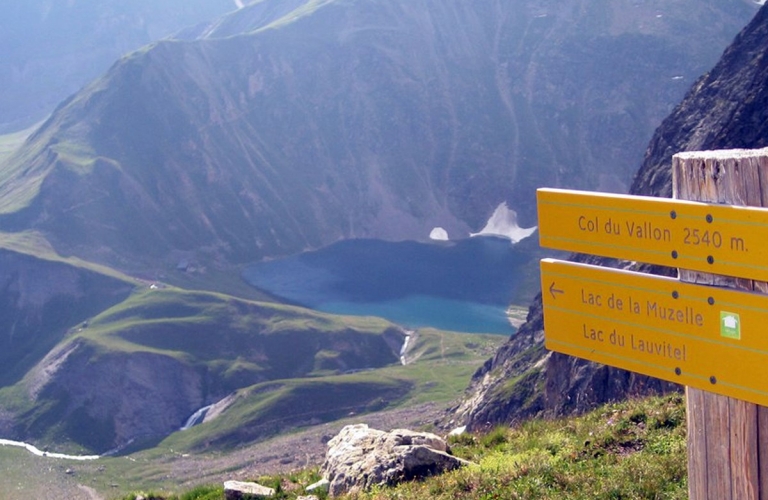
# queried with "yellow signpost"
point(718, 239)
point(710, 338)
point(713, 340)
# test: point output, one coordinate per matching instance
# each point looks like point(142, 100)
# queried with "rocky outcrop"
point(523, 379)
point(727, 108)
point(359, 458)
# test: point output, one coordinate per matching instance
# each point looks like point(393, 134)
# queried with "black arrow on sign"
point(554, 290)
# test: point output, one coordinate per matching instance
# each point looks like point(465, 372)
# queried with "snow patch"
point(439, 234)
point(503, 223)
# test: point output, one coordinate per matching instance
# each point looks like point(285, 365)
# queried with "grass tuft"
point(497, 437)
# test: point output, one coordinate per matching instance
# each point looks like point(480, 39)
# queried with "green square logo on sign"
point(730, 325)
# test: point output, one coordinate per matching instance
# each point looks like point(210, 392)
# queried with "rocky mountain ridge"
point(726, 108)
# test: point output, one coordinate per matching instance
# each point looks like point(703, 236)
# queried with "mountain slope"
point(280, 130)
point(726, 108)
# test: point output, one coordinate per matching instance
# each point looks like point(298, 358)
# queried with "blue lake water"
point(462, 286)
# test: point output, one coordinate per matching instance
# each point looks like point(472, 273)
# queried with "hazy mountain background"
point(51, 48)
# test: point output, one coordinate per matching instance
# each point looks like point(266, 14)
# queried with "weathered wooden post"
point(727, 438)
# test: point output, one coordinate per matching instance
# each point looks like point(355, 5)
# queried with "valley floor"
point(30, 476)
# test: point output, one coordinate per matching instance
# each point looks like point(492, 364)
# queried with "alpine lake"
point(463, 286)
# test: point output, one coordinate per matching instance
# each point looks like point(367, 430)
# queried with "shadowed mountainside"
point(726, 108)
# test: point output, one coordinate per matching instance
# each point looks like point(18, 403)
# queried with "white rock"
point(235, 490)
point(359, 458)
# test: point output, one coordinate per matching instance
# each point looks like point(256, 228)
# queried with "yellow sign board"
point(719, 239)
point(711, 338)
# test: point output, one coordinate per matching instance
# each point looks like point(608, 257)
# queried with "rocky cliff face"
point(290, 125)
point(726, 108)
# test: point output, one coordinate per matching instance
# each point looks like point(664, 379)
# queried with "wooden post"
point(727, 438)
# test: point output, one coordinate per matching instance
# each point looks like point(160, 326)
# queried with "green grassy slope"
point(173, 351)
point(265, 410)
point(629, 450)
point(165, 352)
point(438, 366)
point(270, 340)
point(35, 244)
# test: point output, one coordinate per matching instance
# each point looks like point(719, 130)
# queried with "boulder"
point(359, 458)
point(236, 490)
